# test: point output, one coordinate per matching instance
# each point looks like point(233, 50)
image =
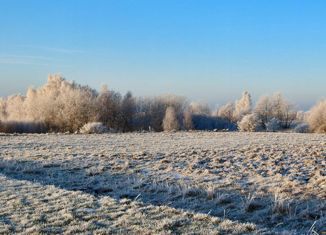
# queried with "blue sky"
point(206, 50)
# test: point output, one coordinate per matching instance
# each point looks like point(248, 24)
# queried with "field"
point(163, 183)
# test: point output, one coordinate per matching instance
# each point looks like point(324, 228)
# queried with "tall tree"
point(170, 121)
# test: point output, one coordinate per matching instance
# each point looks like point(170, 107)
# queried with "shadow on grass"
point(268, 212)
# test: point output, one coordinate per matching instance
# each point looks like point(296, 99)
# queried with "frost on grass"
point(33, 208)
point(163, 183)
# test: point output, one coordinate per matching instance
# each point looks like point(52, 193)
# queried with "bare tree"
point(108, 108)
point(128, 108)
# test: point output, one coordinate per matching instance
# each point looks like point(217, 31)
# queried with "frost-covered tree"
point(194, 111)
point(3, 109)
point(3, 112)
point(263, 111)
point(249, 123)
point(282, 110)
point(31, 105)
point(59, 104)
point(227, 112)
point(233, 112)
point(275, 107)
point(170, 121)
point(317, 117)
point(199, 108)
point(15, 108)
point(187, 120)
point(156, 113)
point(109, 108)
point(243, 106)
point(142, 118)
point(78, 108)
point(72, 105)
point(150, 112)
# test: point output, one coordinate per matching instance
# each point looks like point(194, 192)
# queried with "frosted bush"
point(248, 123)
point(317, 117)
point(170, 121)
point(93, 128)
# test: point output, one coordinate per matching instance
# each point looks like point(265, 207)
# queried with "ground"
point(163, 183)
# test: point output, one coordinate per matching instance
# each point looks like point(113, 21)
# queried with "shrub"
point(93, 128)
point(317, 117)
point(249, 123)
point(170, 121)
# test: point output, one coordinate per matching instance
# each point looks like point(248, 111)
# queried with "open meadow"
point(163, 183)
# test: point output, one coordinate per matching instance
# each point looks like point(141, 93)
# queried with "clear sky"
point(207, 50)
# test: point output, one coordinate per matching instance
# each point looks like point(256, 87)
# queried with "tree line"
point(63, 106)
